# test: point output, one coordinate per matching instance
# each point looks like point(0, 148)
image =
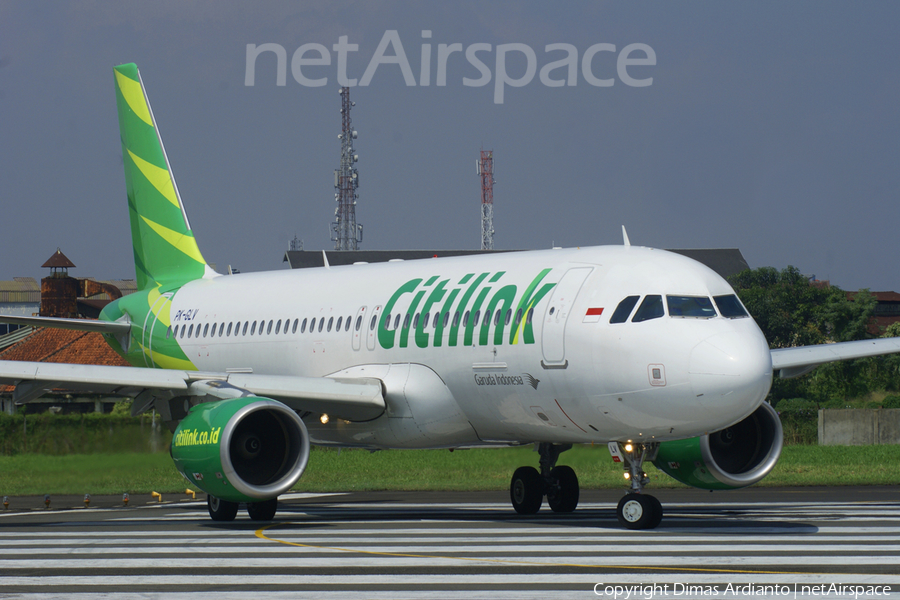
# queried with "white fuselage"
point(550, 367)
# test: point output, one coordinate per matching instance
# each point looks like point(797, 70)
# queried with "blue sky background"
point(772, 127)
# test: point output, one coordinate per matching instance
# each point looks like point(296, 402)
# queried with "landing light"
point(324, 419)
point(629, 448)
point(627, 475)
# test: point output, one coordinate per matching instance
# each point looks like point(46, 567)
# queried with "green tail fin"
point(165, 251)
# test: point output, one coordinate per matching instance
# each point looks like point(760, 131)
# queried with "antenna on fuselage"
point(325, 260)
point(625, 239)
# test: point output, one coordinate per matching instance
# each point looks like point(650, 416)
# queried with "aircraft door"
point(558, 309)
point(359, 327)
point(372, 327)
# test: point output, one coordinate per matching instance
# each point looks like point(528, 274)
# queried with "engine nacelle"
point(245, 449)
point(732, 458)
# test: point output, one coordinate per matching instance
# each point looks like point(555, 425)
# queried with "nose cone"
point(731, 373)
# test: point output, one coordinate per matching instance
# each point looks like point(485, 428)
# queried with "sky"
point(772, 127)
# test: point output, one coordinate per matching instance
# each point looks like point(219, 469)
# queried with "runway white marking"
point(334, 551)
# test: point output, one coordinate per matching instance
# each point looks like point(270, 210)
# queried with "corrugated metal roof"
point(21, 289)
point(27, 289)
point(15, 337)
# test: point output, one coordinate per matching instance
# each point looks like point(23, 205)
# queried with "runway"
point(780, 543)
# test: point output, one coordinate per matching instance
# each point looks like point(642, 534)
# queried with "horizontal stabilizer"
point(114, 328)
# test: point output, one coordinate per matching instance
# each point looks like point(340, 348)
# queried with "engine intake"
point(732, 458)
point(245, 449)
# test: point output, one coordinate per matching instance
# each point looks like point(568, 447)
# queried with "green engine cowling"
point(732, 458)
point(241, 450)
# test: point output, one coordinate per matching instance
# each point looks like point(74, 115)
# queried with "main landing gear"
point(636, 510)
point(223, 510)
point(560, 484)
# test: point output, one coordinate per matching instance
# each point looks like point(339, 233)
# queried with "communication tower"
point(345, 233)
point(485, 168)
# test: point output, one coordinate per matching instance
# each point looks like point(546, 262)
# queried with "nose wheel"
point(636, 510)
point(639, 511)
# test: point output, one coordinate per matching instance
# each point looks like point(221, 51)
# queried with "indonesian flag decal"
point(592, 315)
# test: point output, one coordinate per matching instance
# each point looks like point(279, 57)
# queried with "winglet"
point(625, 241)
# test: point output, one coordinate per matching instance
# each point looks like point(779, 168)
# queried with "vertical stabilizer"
point(165, 251)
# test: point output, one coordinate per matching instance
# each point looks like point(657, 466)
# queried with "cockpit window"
point(730, 306)
point(690, 306)
point(624, 309)
point(651, 308)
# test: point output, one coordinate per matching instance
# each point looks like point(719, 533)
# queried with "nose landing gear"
point(636, 510)
point(560, 484)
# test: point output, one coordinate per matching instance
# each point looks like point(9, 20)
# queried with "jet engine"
point(243, 449)
point(732, 458)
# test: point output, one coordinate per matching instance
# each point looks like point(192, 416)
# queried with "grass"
point(478, 469)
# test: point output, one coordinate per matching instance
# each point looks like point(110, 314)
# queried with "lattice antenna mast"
point(485, 167)
point(345, 233)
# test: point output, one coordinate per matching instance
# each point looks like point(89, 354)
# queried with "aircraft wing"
point(115, 328)
point(793, 362)
point(353, 399)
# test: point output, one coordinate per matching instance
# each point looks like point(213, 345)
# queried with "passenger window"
point(397, 321)
point(294, 328)
point(425, 320)
point(487, 319)
point(406, 321)
point(338, 326)
point(347, 323)
point(168, 331)
point(221, 329)
point(205, 329)
point(321, 324)
point(650, 308)
point(228, 331)
point(330, 323)
point(387, 322)
point(303, 326)
point(530, 316)
point(278, 327)
point(191, 331)
point(434, 322)
point(269, 329)
point(456, 319)
point(518, 317)
point(475, 318)
point(624, 309)
point(466, 319)
point(446, 319)
point(358, 322)
point(373, 323)
point(253, 329)
point(497, 318)
point(699, 307)
point(416, 321)
point(212, 332)
point(730, 307)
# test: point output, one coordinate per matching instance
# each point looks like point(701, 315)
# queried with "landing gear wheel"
point(221, 510)
point(262, 511)
point(562, 494)
point(657, 512)
point(526, 490)
point(637, 511)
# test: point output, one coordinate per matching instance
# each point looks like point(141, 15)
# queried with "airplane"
point(646, 351)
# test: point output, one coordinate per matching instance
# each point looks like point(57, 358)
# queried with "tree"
point(792, 311)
